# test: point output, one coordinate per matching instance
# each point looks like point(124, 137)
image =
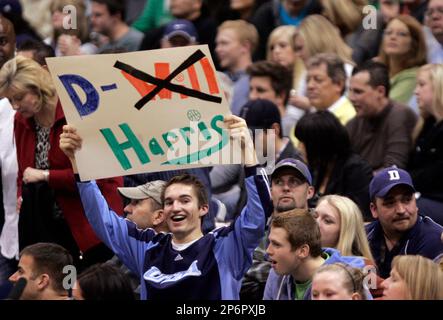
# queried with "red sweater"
point(61, 177)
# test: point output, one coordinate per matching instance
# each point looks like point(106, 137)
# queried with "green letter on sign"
point(119, 148)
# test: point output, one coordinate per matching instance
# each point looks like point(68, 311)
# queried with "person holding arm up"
point(183, 263)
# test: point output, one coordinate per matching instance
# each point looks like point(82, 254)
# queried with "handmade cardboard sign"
point(144, 111)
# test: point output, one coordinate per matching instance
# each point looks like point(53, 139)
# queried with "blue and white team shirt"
point(211, 268)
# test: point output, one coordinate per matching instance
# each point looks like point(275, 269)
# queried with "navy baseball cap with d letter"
point(387, 179)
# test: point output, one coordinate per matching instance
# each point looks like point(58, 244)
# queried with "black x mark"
point(166, 83)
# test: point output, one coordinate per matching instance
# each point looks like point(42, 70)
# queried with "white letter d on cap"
point(393, 175)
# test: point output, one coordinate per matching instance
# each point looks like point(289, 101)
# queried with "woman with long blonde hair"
point(413, 278)
point(426, 160)
point(318, 35)
point(49, 204)
point(342, 227)
point(75, 39)
point(281, 49)
point(348, 17)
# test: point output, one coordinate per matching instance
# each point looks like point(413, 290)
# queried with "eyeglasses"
point(402, 34)
point(431, 11)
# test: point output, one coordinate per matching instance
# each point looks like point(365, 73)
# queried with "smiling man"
point(399, 230)
point(183, 264)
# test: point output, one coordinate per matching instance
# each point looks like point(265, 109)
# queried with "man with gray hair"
point(145, 208)
point(326, 86)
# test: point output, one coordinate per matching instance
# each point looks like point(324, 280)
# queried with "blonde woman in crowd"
point(281, 49)
point(403, 50)
point(348, 17)
point(317, 35)
point(338, 281)
point(341, 227)
point(426, 159)
point(46, 187)
point(413, 278)
point(75, 39)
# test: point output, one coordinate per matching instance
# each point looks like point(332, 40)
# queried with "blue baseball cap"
point(180, 27)
point(387, 179)
point(10, 7)
point(294, 164)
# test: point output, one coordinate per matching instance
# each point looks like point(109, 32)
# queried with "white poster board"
point(143, 111)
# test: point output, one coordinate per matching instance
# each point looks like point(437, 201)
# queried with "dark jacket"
point(61, 177)
point(40, 220)
point(350, 178)
point(426, 161)
point(424, 239)
point(384, 140)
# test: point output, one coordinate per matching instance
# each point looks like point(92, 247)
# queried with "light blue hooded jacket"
point(282, 287)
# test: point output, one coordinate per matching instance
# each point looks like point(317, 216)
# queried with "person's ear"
point(304, 251)
point(373, 208)
point(280, 98)
point(356, 296)
point(276, 127)
point(311, 192)
point(341, 86)
point(204, 210)
point(43, 281)
point(381, 90)
point(158, 217)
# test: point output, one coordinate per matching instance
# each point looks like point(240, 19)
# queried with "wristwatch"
point(46, 175)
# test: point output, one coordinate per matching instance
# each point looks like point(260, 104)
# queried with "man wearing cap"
point(291, 185)
point(179, 33)
point(291, 188)
point(399, 229)
point(145, 208)
point(263, 115)
point(227, 181)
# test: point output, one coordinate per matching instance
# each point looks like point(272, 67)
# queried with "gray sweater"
point(386, 139)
